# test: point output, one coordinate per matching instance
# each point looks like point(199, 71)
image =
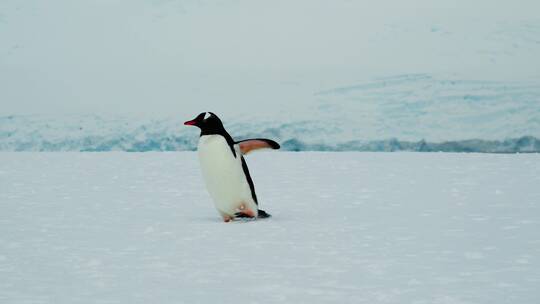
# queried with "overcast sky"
point(175, 57)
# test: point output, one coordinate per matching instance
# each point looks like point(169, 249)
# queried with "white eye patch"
point(206, 115)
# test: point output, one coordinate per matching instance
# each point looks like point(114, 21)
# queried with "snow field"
point(346, 228)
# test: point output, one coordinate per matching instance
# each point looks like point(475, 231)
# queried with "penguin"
point(225, 170)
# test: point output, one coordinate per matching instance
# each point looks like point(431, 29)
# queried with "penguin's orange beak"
point(190, 123)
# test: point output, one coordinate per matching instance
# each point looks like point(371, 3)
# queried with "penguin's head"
point(205, 121)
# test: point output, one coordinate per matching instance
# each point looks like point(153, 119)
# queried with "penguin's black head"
point(208, 122)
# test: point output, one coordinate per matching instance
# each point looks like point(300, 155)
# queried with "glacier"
point(411, 112)
point(169, 135)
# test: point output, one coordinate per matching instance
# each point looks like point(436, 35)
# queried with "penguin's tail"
point(263, 214)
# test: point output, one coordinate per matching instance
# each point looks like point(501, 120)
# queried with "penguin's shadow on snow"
point(213, 219)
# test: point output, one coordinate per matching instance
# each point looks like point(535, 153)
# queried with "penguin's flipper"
point(249, 145)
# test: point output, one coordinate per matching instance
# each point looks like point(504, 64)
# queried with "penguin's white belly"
point(223, 175)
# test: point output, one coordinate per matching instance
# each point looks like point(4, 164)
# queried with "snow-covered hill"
point(314, 74)
point(183, 56)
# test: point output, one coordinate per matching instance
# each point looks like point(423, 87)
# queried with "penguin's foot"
point(245, 214)
point(227, 219)
point(261, 214)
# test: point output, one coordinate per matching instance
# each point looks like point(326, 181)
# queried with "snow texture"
point(346, 228)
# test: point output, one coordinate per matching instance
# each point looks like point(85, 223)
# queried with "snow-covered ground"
point(346, 228)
